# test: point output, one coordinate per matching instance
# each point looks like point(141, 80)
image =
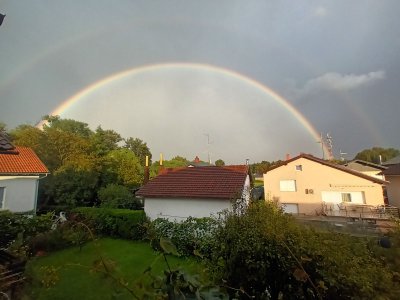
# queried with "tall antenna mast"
point(330, 145)
point(208, 147)
point(321, 141)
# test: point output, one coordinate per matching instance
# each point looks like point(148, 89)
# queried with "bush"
point(65, 235)
point(118, 196)
point(13, 225)
point(121, 223)
point(264, 253)
point(188, 236)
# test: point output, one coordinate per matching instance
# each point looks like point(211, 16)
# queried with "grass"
point(72, 270)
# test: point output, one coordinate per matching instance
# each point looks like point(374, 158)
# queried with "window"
point(2, 194)
point(346, 197)
point(299, 168)
point(287, 185)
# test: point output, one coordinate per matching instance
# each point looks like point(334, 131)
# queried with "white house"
point(179, 193)
point(20, 171)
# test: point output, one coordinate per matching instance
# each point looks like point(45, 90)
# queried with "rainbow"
point(202, 67)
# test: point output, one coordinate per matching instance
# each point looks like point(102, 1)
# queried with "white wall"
point(175, 209)
point(20, 193)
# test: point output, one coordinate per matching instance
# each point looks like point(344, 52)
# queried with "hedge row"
point(194, 235)
point(12, 225)
point(121, 223)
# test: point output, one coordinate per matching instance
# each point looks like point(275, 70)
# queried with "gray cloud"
point(339, 82)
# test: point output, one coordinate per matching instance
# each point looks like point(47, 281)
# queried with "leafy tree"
point(139, 148)
point(263, 167)
point(73, 187)
point(104, 141)
point(63, 147)
point(176, 162)
point(219, 163)
point(29, 136)
point(372, 155)
point(122, 167)
point(262, 253)
point(117, 196)
point(68, 125)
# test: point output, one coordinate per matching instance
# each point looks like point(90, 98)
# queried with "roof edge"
point(329, 164)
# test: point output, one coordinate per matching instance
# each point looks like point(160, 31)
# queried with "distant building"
point(367, 168)
point(198, 163)
point(306, 184)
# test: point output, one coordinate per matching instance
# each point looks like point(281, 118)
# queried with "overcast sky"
point(336, 62)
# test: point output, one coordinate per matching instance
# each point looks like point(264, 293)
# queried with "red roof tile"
point(21, 160)
point(199, 182)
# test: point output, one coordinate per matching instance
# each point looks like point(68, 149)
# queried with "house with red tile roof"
point(308, 185)
point(20, 171)
point(179, 193)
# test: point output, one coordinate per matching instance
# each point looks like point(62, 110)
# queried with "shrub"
point(188, 236)
point(264, 253)
point(12, 225)
point(123, 223)
point(118, 196)
point(65, 235)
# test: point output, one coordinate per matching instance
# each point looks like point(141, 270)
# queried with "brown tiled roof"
point(21, 160)
point(332, 165)
point(200, 182)
point(392, 170)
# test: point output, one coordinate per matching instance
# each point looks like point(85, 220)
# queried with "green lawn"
point(77, 280)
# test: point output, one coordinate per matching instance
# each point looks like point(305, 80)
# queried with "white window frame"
point(287, 186)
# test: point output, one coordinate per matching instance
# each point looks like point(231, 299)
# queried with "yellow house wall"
point(320, 178)
point(393, 190)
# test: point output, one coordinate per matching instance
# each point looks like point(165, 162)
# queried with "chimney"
point(287, 156)
point(196, 159)
point(146, 171)
point(161, 169)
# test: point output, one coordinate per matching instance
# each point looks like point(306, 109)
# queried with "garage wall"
point(175, 209)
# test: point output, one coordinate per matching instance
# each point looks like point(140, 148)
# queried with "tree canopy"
point(375, 154)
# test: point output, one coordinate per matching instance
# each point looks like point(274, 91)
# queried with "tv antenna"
point(208, 147)
point(330, 145)
point(342, 154)
point(321, 141)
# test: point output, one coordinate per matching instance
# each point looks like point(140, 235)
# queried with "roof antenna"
point(342, 154)
point(208, 147)
point(321, 141)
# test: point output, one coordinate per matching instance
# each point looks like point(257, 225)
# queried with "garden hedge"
point(121, 223)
